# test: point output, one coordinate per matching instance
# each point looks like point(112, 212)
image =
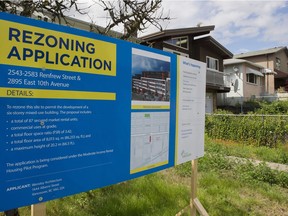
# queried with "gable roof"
point(195, 31)
point(212, 43)
point(241, 61)
point(262, 52)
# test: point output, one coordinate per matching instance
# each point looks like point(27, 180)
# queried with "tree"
point(134, 15)
point(53, 8)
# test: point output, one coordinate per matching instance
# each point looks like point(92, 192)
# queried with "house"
point(196, 43)
point(275, 60)
point(192, 42)
point(245, 79)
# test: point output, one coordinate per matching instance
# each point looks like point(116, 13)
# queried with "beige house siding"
point(265, 61)
point(284, 61)
point(269, 61)
point(269, 84)
point(251, 89)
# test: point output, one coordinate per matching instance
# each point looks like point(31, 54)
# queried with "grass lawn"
point(225, 188)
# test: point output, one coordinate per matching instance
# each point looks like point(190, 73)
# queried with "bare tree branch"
point(133, 15)
point(56, 9)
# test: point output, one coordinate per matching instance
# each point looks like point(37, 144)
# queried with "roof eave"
point(259, 53)
point(196, 31)
point(243, 61)
point(220, 46)
point(226, 53)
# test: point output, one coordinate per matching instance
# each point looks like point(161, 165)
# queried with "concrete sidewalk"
point(275, 166)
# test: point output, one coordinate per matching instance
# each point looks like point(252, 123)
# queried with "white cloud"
point(260, 20)
point(264, 21)
point(93, 13)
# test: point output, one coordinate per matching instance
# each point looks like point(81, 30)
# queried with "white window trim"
point(213, 59)
point(252, 83)
point(173, 51)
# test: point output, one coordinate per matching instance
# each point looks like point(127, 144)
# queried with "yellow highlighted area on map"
point(55, 94)
point(148, 167)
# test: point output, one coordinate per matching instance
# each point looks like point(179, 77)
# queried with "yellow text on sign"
point(55, 94)
point(25, 45)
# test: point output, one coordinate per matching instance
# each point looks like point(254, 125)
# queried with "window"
point(212, 63)
point(251, 78)
point(278, 63)
point(179, 41)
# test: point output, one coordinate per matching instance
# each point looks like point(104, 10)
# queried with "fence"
point(259, 130)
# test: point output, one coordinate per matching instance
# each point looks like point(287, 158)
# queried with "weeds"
point(251, 129)
point(226, 187)
point(261, 173)
point(216, 160)
point(258, 128)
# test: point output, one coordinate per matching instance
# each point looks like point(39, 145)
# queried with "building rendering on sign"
point(152, 85)
point(187, 42)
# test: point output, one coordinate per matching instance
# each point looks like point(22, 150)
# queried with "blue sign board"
point(79, 111)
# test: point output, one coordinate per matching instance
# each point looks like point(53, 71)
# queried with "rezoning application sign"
point(81, 111)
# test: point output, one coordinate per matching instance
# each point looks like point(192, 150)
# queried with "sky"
point(140, 63)
point(240, 26)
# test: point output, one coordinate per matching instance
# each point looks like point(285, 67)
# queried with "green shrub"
point(258, 128)
point(253, 129)
point(262, 173)
point(243, 170)
point(276, 107)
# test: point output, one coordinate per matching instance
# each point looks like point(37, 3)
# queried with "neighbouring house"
point(275, 62)
point(245, 79)
point(196, 43)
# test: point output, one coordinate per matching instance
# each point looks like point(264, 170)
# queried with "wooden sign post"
point(38, 209)
point(195, 204)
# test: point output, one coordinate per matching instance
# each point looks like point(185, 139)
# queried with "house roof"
point(261, 52)
point(240, 61)
point(211, 42)
point(196, 31)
